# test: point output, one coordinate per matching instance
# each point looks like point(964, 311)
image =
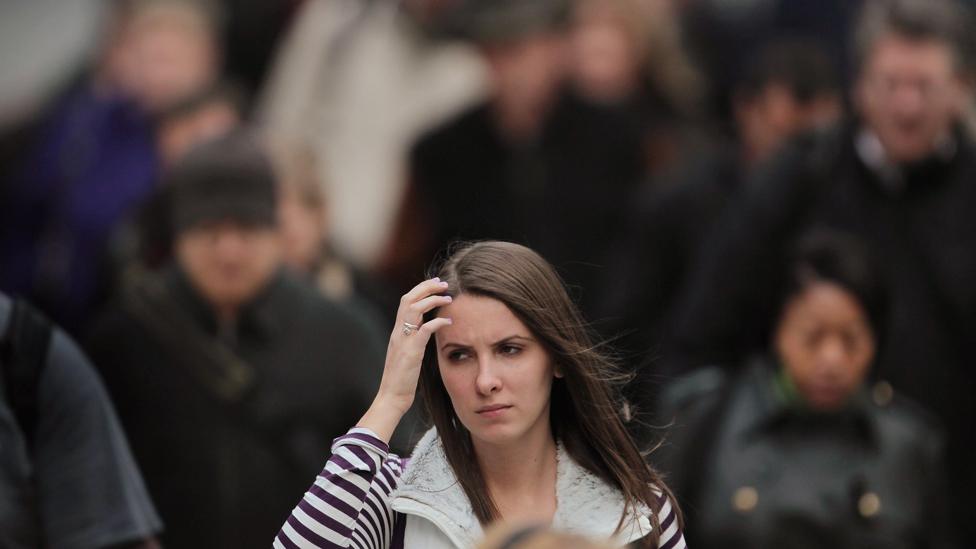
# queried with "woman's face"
point(826, 344)
point(498, 375)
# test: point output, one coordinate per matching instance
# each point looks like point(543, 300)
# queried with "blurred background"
point(768, 207)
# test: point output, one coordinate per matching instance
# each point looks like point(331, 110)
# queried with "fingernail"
point(444, 284)
point(449, 298)
point(437, 279)
point(449, 321)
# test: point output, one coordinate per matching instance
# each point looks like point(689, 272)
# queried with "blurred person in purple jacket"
point(94, 157)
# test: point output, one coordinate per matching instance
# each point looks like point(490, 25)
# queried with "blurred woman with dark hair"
point(798, 449)
point(526, 424)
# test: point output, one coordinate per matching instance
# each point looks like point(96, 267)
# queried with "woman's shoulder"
point(670, 535)
point(590, 505)
point(905, 427)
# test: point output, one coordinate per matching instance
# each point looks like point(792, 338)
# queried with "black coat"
point(753, 468)
point(565, 194)
point(229, 428)
point(670, 220)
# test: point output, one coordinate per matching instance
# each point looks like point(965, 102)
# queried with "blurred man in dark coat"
point(231, 375)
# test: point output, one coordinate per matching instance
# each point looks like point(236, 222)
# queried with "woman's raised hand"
point(404, 355)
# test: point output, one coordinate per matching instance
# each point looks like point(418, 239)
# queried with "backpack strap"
point(23, 353)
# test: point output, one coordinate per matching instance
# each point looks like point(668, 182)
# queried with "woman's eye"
point(510, 349)
point(456, 356)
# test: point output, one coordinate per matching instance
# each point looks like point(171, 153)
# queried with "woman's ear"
point(557, 372)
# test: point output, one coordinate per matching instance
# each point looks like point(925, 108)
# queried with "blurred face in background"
point(228, 262)
point(909, 94)
point(606, 59)
point(301, 228)
point(825, 344)
point(163, 53)
point(525, 76)
point(774, 115)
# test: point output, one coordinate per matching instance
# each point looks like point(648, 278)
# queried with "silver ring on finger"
point(409, 328)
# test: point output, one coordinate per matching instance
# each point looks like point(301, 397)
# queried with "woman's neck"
point(521, 478)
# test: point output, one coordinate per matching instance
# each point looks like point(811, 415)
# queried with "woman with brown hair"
point(526, 424)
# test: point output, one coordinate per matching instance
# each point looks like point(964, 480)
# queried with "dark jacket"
point(670, 220)
point(753, 468)
point(920, 226)
point(564, 194)
point(67, 477)
point(229, 427)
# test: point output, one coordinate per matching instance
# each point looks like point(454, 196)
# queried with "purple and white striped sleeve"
point(671, 535)
point(349, 504)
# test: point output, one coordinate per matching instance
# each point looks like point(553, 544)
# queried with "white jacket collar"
point(585, 504)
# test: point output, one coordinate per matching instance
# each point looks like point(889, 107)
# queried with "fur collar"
point(585, 504)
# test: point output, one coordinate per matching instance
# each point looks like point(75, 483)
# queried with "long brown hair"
point(584, 409)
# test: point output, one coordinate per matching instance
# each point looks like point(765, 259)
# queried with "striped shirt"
point(349, 504)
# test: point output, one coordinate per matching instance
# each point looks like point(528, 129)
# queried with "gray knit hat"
point(229, 178)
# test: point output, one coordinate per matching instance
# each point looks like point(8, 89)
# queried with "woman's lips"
point(492, 411)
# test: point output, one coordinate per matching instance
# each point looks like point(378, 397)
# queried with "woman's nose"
point(488, 381)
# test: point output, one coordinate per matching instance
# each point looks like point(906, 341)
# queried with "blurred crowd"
point(767, 208)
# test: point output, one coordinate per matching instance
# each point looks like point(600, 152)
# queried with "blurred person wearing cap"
point(534, 163)
point(217, 363)
point(898, 173)
point(93, 158)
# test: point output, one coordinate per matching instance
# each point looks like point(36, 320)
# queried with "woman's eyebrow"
point(511, 338)
point(502, 341)
point(455, 345)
